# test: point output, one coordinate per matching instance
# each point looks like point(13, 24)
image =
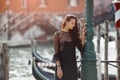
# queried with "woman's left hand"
point(83, 36)
point(83, 32)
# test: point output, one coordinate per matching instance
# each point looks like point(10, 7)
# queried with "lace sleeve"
point(56, 45)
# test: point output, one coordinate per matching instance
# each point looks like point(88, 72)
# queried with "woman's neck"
point(65, 29)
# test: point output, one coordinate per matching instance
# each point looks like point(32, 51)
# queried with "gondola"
point(38, 58)
point(40, 74)
point(38, 71)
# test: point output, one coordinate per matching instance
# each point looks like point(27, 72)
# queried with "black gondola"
point(38, 58)
point(39, 74)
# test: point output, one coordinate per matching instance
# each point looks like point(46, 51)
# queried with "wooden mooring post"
point(4, 62)
point(106, 77)
point(98, 38)
point(118, 52)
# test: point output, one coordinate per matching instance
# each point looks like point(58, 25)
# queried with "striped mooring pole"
point(117, 13)
point(117, 25)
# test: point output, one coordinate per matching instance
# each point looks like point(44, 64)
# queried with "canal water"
point(20, 65)
point(20, 69)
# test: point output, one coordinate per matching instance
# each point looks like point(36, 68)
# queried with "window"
point(73, 3)
point(42, 3)
point(24, 3)
point(7, 2)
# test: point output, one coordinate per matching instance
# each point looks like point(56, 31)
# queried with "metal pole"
point(89, 70)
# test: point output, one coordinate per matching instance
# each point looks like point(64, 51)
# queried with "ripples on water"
point(19, 57)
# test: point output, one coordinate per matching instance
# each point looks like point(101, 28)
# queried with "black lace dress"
point(65, 52)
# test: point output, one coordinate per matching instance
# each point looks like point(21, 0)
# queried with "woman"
point(65, 42)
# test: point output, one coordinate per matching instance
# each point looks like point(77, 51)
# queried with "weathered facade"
point(49, 6)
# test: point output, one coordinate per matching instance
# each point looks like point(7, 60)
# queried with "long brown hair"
point(75, 34)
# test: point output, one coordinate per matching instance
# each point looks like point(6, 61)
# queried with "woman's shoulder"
point(57, 33)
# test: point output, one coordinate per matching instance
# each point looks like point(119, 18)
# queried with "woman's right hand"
point(59, 72)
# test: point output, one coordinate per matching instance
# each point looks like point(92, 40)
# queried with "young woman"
point(65, 42)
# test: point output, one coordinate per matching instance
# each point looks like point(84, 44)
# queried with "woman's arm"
point(83, 36)
point(82, 24)
point(57, 53)
point(56, 48)
point(81, 40)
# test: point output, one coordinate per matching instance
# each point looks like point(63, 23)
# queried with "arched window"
point(24, 3)
point(7, 2)
point(42, 3)
point(73, 3)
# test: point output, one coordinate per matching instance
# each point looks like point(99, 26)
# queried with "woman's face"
point(70, 24)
